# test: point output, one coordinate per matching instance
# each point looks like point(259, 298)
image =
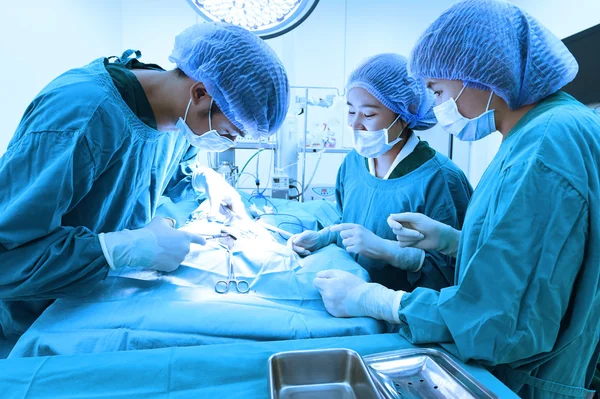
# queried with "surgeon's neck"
point(506, 118)
point(384, 162)
point(167, 93)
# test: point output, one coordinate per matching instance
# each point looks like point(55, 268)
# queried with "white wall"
point(42, 39)
point(563, 18)
point(151, 26)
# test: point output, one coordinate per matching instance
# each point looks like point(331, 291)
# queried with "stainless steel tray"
point(323, 373)
point(422, 373)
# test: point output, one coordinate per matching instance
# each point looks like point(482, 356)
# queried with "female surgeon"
point(390, 170)
point(526, 296)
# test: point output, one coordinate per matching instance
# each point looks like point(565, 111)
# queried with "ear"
point(198, 92)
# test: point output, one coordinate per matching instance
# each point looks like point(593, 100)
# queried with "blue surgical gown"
point(80, 163)
point(526, 299)
point(437, 188)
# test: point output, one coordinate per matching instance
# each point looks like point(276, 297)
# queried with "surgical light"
point(265, 18)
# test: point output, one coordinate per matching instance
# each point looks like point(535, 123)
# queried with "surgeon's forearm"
point(377, 302)
point(395, 308)
point(409, 259)
point(67, 261)
point(421, 321)
point(327, 237)
point(449, 238)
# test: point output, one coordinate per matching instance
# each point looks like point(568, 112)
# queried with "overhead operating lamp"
point(265, 18)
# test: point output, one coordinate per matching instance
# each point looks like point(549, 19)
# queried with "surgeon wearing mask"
point(99, 146)
point(526, 299)
point(389, 171)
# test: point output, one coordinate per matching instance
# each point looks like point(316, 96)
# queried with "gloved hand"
point(157, 246)
point(224, 200)
point(309, 241)
point(359, 240)
point(419, 231)
point(346, 295)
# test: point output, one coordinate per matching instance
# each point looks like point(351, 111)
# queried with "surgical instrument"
point(223, 234)
point(222, 286)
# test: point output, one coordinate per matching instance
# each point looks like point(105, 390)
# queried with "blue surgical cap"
point(494, 45)
point(240, 71)
point(385, 77)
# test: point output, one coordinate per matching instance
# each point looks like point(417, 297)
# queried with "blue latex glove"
point(346, 295)
point(157, 246)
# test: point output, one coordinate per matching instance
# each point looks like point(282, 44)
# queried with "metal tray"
point(323, 373)
point(422, 373)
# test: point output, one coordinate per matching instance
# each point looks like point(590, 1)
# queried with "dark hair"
point(180, 73)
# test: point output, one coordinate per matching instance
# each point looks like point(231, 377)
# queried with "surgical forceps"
point(223, 235)
point(222, 286)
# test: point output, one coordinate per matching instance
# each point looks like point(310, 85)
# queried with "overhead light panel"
point(265, 18)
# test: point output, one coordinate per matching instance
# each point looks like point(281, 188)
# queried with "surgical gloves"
point(157, 246)
point(360, 240)
point(309, 241)
point(346, 295)
point(419, 231)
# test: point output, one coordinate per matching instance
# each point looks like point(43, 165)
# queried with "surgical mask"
point(372, 144)
point(210, 141)
point(465, 129)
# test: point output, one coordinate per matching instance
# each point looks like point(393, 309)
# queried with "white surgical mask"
point(463, 128)
point(210, 141)
point(371, 144)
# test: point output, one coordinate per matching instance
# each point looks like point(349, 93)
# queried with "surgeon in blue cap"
point(98, 147)
point(390, 170)
point(526, 295)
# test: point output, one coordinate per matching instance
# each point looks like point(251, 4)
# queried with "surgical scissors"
point(222, 286)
